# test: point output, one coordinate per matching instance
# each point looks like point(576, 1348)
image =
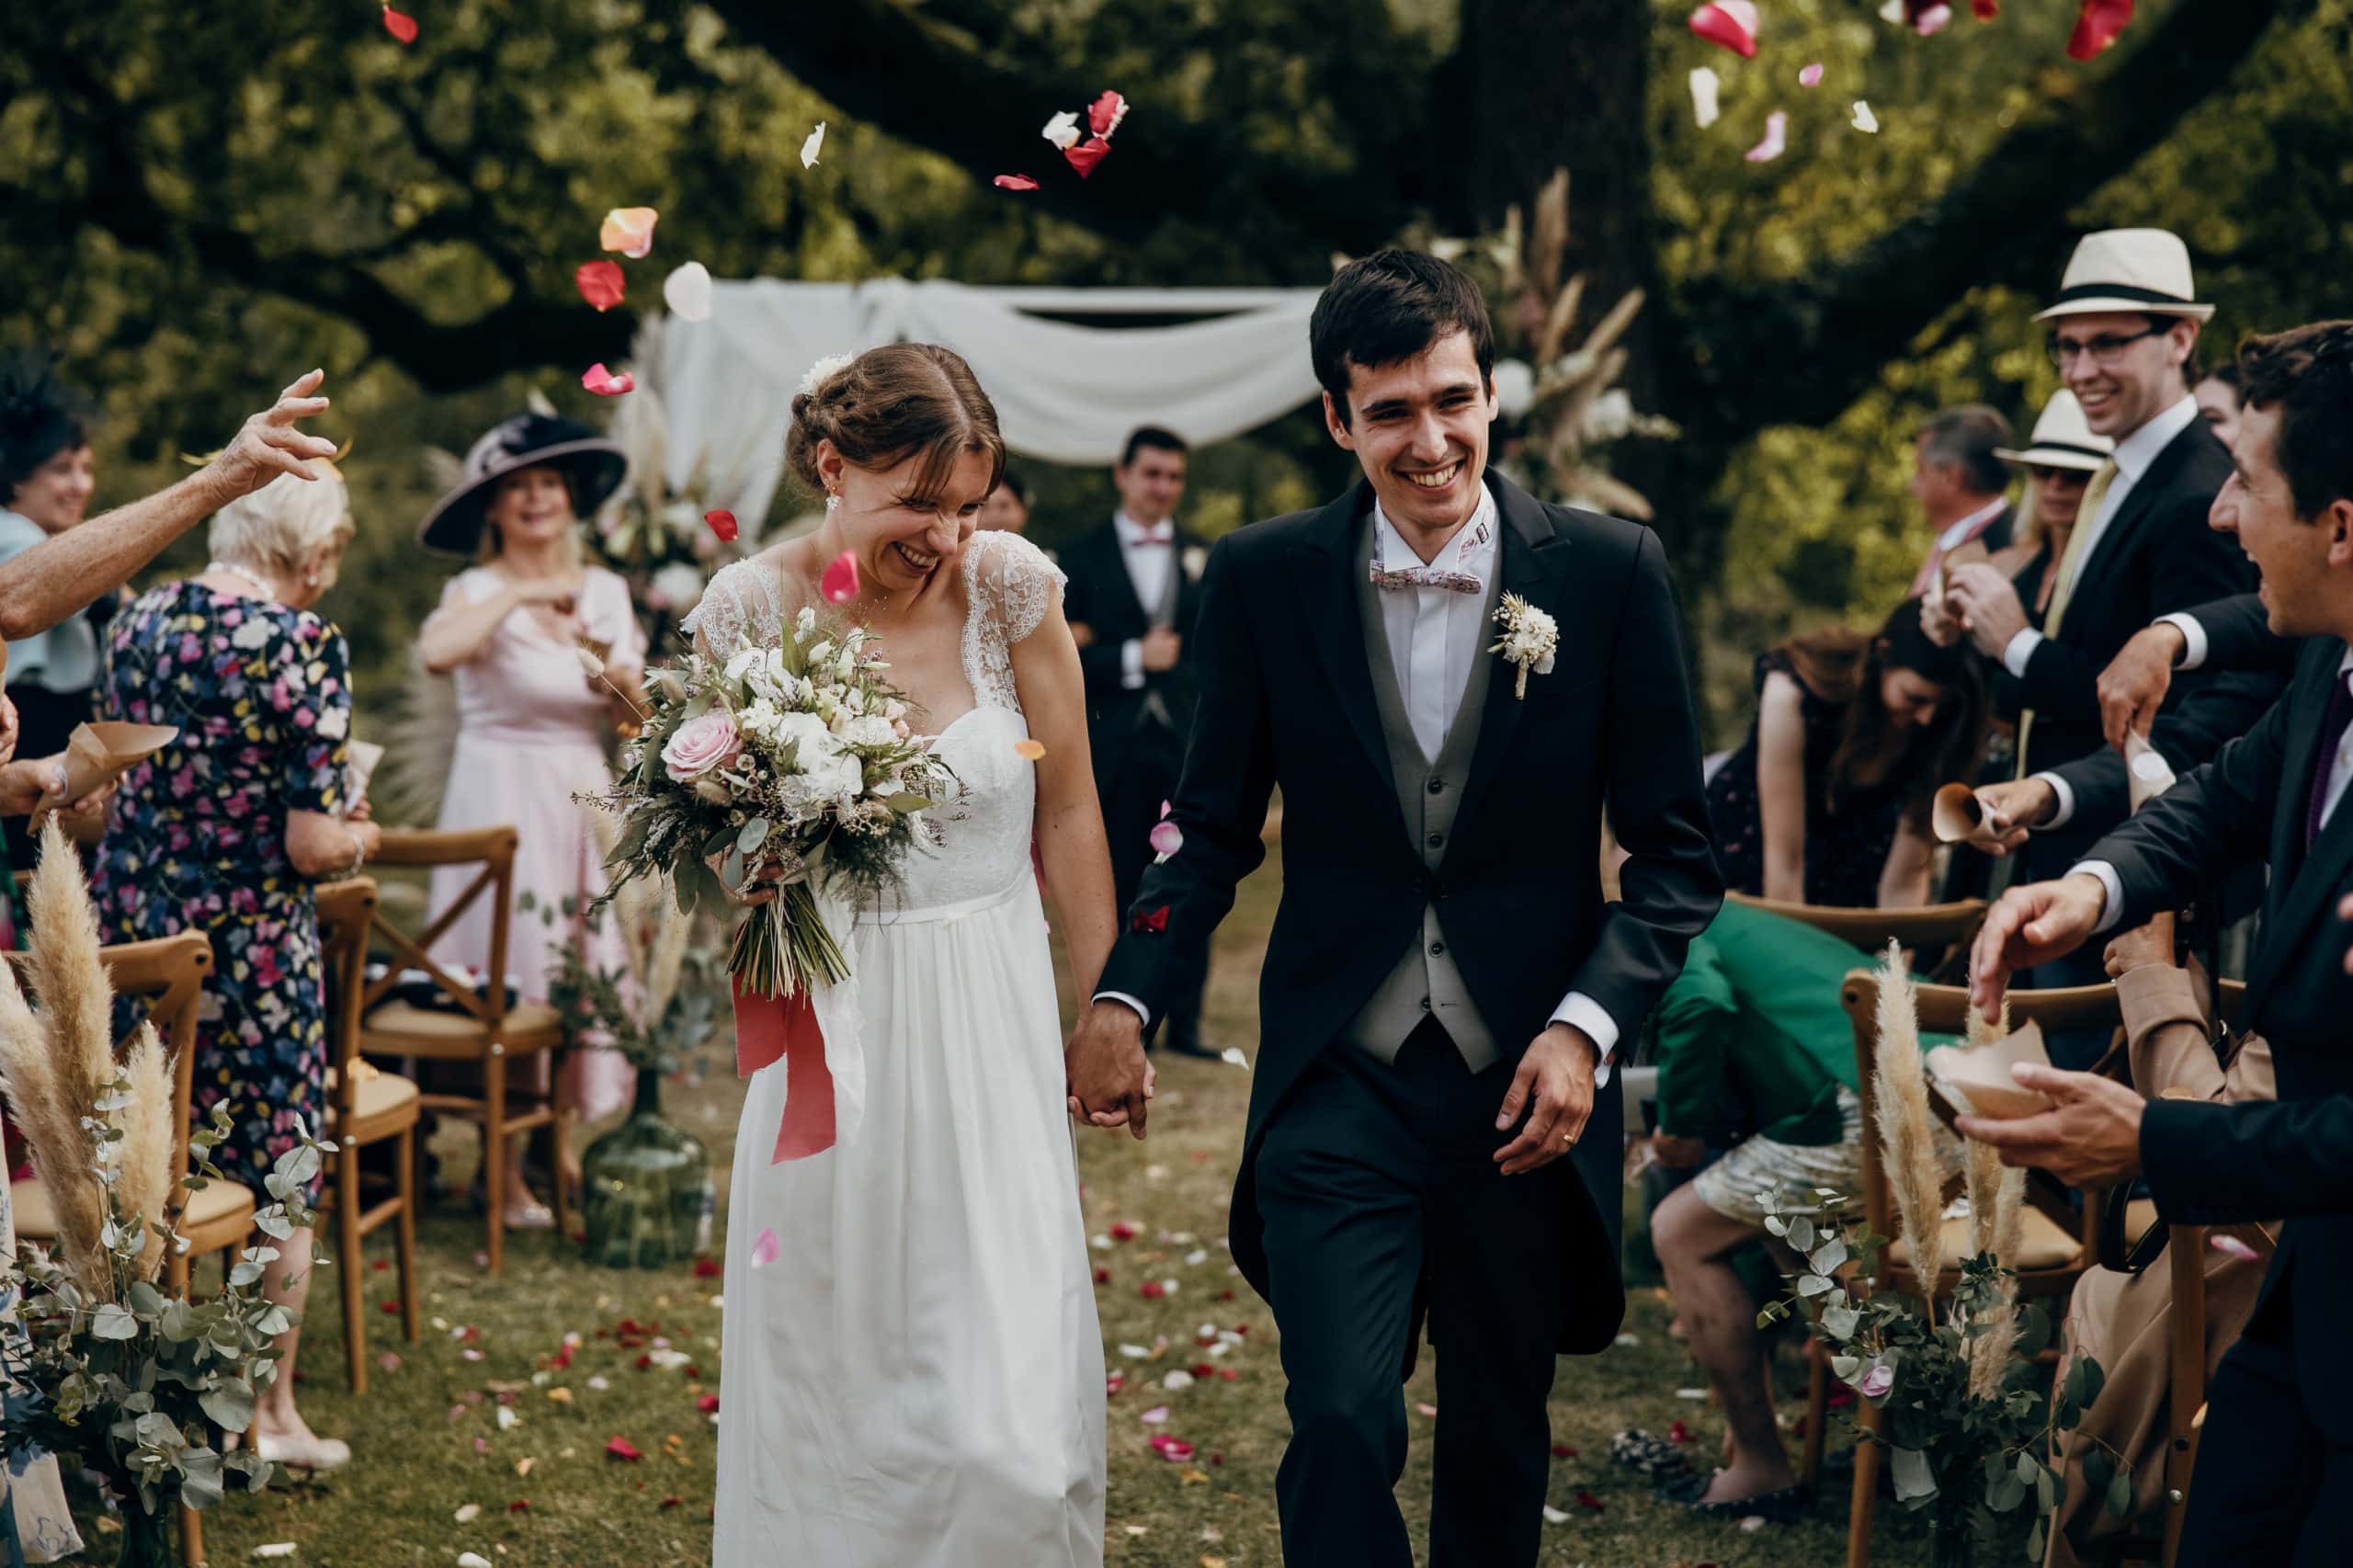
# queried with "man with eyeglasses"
point(2124, 330)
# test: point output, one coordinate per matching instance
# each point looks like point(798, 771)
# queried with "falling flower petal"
point(722, 523)
point(629, 229)
point(1932, 21)
point(1166, 839)
point(1087, 154)
point(1062, 130)
point(2230, 1247)
point(1705, 86)
point(1103, 116)
point(1015, 182)
point(809, 147)
point(1777, 132)
point(2097, 26)
point(1029, 750)
point(403, 28)
point(1231, 1055)
point(839, 584)
point(687, 292)
point(622, 1449)
point(764, 1248)
point(600, 283)
point(1865, 121)
point(1810, 76)
point(1732, 23)
point(607, 384)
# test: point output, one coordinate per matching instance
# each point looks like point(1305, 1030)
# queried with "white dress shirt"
point(2132, 457)
point(1148, 568)
point(2341, 774)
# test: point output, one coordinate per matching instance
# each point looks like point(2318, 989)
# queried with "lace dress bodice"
point(1008, 584)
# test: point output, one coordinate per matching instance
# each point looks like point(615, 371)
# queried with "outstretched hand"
point(2030, 926)
point(269, 444)
point(1554, 1089)
point(2090, 1138)
point(1108, 1079)
point(2133, 686)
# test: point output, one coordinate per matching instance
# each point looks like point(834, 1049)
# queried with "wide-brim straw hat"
point(2145, 271)
point(2062, 438)
point(595, 464)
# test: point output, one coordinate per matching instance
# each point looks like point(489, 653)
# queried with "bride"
point(916, 1377)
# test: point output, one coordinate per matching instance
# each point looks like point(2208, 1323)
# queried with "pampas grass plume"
point(144, 1185)
point(1908, 1140)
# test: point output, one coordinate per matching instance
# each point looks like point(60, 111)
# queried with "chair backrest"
point(492, 849)
point(1929, 928)
point(1944, 1009)
point(167, 973)
point(346, 910)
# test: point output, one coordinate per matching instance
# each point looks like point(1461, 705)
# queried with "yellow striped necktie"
point(2070, 562)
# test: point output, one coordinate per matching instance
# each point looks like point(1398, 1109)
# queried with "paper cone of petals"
point(1958, 816)
point(1979, 1075)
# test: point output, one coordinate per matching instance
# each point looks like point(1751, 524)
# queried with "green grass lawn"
point(428, 1443)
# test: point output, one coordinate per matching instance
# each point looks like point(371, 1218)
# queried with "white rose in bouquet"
point(872, 730)
point(823, 771)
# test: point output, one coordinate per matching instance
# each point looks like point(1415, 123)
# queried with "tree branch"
point(2008, 222)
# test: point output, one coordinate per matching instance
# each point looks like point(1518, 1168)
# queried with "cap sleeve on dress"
point(1016, 580)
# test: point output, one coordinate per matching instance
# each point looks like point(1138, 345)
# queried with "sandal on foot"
point(1786, 1507)
point(1648, 1454)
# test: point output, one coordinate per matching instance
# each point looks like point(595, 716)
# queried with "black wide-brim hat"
point(595, 464)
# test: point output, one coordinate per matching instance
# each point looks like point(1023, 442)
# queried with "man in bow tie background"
point(1134, 586)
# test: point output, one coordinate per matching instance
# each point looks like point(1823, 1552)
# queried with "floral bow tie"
point(1426, 577)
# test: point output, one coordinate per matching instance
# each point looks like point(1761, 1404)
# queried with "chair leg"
point(404, 1231)
point(191, 1539)
point(493, 1155)
point(1818, 1411)
point(555, 1144)
point(1862, 1503)
point(347, 1247)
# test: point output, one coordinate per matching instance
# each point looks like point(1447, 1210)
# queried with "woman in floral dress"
point(224, 831)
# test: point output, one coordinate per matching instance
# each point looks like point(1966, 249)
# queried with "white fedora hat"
point(2062, 438)
point(2145, 271)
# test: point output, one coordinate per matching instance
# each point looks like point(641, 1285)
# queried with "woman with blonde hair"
point(226, 830)
point(533, 726)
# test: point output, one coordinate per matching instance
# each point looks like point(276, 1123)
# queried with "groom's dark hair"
point(1387, 308)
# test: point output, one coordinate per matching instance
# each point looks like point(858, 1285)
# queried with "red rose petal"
point(1587, 1500)
point(1087, 154)
point(722, 523)
point(708, 1405)
point(1102, 1276)
point(839, 584)
point(390, 1307)
point(622, 1449)
point(643, 1362)
point(607, 384)
point(1562, 1451)
point(672, 1502)
point(520, 1505)
point(1103, 116)
point(1124, 1230)
point(2097, 26)
point(1152, 1289)
point(1015, 182)
point(1176, 1451)
point(601, 283)
point(1984, 10)
point(399, 27)
point(707, 1268)
point(1678, 1433)
point(1731, 23)
point(1204, 1369)
point(382, 1264)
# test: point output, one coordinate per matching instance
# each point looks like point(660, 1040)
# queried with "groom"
point(1445, 988)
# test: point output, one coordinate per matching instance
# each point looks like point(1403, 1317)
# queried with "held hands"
point(1987, 606)
point(2092, 1137)
point(1161, 649)
point(1553, 1088)
point(2013, 807)
point(269, 444)
point(1108, 1081)
point(2030, 925)
point(2134, 684)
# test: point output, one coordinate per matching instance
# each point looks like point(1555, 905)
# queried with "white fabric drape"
point(1063, 393)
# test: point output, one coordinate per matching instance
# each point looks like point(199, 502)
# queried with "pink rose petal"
point(764, 1248)
point(1176, 1451)
point(1015, 182)
point(1155, 1417)
point(399, 27)
point(1930, 22)
point(600, 283)
point(1810, 76)
point(2096, 24)
point(1776, 132)
point(1731, 23)
point(1166, 839)
point(607, 384)
point(1103, 116)
point(1087, 154)
point(839, 584)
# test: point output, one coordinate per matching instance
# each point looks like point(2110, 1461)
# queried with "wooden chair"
point(483, 1028)
point(1939, 930)
point(365, 1106)
point(169, 971)
point(2056, 1242)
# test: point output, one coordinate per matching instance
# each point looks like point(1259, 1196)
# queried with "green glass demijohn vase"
point(646, 1188)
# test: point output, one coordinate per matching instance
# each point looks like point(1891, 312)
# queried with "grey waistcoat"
point(1425, 981)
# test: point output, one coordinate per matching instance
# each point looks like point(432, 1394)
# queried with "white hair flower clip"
point(823, 372)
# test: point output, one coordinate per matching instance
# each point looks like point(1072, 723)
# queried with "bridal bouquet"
point(798, 757)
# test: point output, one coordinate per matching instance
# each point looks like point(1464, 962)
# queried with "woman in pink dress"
point(533, 725)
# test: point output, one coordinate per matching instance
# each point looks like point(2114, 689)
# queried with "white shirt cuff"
point(2193, 639)
point(2019, 649)
point(2111, 882)
point(1143, 1014)
point(2066, 806)
point(1132, 663)
point(1580, 1011)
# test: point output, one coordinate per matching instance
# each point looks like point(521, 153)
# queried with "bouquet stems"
point(783, 947)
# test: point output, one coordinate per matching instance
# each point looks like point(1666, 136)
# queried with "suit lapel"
point(1534, 558)
point(2136, 505)
point(1116, 582)
point(2307, 879)
point(1321, 570)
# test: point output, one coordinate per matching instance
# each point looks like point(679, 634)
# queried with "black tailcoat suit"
point(2281, 1427)
point(1364, 1183)
point(1136, 736)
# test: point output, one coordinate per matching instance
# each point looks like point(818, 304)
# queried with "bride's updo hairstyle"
point(901, 400)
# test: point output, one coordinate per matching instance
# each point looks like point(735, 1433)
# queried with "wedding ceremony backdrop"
point(1749, 293)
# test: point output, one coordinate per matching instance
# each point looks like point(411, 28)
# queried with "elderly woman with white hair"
point(226, 830)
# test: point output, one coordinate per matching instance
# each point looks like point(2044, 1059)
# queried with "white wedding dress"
point(916, 1380)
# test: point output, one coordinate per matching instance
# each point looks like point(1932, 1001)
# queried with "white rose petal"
point(1063, 130)
point(687, 290)
point(809, 148)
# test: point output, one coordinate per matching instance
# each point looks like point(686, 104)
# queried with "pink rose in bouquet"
point(702, 745)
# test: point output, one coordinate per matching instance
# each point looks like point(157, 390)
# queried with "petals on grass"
point(399, 27)
point(1087, 154)
point(1151, 1291)
point(1777, 139)
point(1810, 76)
point(1731, 23)
point(1587, 1500)
point(708, 1403)
point(468, 1514)
point(764, 1249)
point(1678, 1433)
point(607, 384)
point(1984, 10)
point(2097, 26)
point(1062, 130)
point(629, 229)
point(1103, 116)
point(1865, 121)
point(622, 1449)
point(1166, 839)
point(1706, 90)
point(1155, 1417)
point(1029, 750)
point(687, 292)
point(1015, 182)
point(600, 283)
point(811, 145)
point(1176, 1451)
point(1930, 22)
point(722, 523)
point(1562, 1451)
point(1555, 1516)
point(839, 584)
point(707, 1268)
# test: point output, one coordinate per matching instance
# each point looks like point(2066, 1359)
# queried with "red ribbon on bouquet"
point(769, 1029)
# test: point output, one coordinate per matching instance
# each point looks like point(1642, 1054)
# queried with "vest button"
point(1437, 840)
point(1437, 786)
point(1436, 948)
point(1426, 1004)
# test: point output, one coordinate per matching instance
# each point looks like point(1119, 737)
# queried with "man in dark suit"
point(1445, 989)
point(2275, 1470)
point(1135, 586)
point(1961, 483)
